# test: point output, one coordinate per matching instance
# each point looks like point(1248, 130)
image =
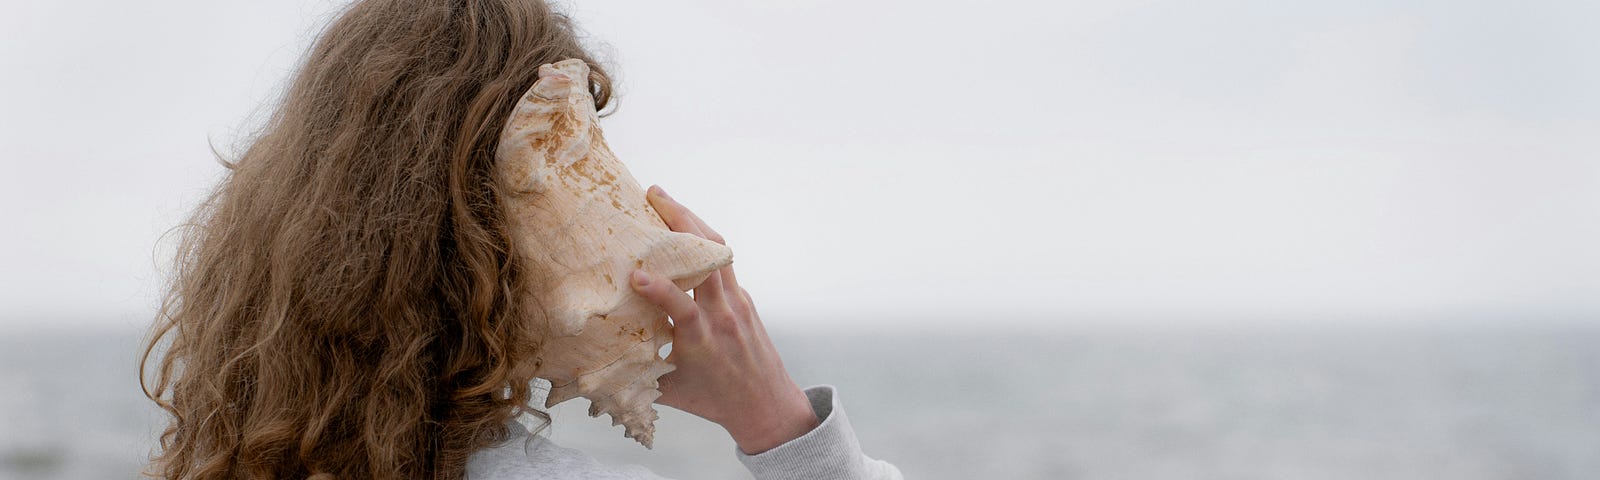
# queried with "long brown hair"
point(342, 303)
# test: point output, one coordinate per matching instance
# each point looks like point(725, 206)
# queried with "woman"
point(341, 307)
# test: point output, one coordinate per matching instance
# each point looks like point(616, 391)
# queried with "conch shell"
point(584, 223)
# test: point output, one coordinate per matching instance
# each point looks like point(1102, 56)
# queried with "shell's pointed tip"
point(657, 369)
point(572, 68)
point(644, 437)
point(554, 86)
point(571, 65)
point(560, 394)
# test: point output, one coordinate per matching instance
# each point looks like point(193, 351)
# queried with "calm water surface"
point(1244, 403)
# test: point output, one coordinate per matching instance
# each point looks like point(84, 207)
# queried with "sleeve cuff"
point(828, 451)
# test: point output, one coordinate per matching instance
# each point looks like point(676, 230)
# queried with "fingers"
point(676, 215)
point(680, 219)
point(662, 293)
point(710, 292)
point(729, 282)
point(710, 234)
point(713, 291)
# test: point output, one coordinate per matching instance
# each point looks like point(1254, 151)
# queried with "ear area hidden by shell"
point(582, 224)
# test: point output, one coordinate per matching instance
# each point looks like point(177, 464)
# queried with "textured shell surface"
point(582, 223)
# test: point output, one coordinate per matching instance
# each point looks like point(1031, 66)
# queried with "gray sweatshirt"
point(829, 451)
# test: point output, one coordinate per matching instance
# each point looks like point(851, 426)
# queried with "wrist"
point(791, 418)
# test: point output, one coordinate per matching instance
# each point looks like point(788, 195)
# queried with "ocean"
point(1324, 402)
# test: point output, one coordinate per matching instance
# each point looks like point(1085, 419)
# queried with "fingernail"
point(662, 192)
point(640, 279)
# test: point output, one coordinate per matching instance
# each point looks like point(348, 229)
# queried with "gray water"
point(1241, 403)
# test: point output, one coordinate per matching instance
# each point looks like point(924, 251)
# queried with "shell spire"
point(582, 224)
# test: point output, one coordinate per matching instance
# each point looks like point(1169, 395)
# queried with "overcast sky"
point(896, 163)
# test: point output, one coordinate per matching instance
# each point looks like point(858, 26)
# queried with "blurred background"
point(1142, 239)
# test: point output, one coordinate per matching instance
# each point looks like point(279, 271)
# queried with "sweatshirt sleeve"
point(829, 451)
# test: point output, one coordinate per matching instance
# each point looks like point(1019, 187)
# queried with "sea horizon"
point(1468, 401)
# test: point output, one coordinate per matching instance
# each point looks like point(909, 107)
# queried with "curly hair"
point(342, 304)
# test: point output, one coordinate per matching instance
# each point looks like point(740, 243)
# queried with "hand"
point(728, 371)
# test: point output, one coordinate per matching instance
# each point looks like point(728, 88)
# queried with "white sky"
point(894, 163)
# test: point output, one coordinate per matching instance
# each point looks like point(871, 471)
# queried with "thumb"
point(667, 385)
point(680, 392)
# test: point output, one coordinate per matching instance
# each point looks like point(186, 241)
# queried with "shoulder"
point(525, 455)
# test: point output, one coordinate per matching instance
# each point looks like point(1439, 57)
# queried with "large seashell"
point(584, 223)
